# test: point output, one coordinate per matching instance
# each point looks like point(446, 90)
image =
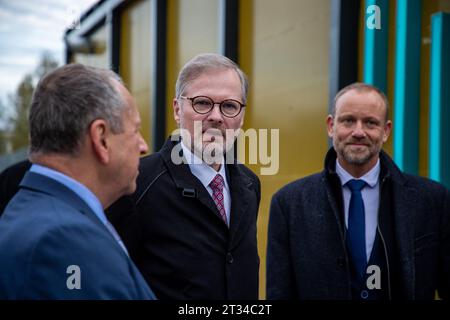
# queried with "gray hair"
point(66, 101)
point(361, 87)
point(203, 63)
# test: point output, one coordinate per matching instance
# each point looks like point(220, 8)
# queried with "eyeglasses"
point(229, 108)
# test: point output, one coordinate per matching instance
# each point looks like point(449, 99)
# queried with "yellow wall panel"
point(136, 58)
point(172, 64)
point(288, 68)
point(192, 29)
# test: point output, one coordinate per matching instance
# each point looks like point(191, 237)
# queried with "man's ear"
point(387, 130)
point(176, 111)
point(242, 118)
point(98, 134)
point(330, 125)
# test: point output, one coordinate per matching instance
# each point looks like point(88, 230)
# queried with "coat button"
point(230, 258)
point(364, 294)
point(340, 262)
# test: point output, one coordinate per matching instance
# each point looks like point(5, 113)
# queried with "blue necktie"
point(356, 231)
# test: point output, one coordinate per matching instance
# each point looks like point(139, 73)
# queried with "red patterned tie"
point(217, 188)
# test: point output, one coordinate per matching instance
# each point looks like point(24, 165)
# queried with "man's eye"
point(202, 102)
point(230, 106)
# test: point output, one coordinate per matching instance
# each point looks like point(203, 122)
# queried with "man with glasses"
point(191, 225)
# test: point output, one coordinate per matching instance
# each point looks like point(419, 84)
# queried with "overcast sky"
point(27, 29)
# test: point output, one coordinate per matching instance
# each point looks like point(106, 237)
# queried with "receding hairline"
point(362, 88)
point(65, 89)
point(206, 63)
point(208, 71)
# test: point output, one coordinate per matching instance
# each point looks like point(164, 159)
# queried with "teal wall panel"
point(376, 43)
point(407, 85)
point(439, 144)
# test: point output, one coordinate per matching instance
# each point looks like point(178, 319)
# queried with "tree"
point(20, 101)
point(46, 65)
point(3, 128)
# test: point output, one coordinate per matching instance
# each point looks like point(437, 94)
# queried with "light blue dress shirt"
point(206, 174)
point(83, 192)
point(371, 197)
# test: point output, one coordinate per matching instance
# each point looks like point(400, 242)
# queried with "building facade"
point(297, 55)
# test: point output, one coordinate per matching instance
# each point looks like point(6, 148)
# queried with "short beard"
point(356, 160)
point(352, 158)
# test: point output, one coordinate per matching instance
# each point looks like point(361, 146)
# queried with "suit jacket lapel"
point(41, 183)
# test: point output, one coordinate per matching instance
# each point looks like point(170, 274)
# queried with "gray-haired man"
point(55, 240)
point(191, 225)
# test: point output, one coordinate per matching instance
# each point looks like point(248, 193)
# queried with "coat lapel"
point(241, 191)
point(404, 205)
point(186, 183)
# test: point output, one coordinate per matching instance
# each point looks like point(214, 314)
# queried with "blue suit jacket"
point(45, 231)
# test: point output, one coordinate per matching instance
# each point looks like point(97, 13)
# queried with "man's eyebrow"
point(348, 115)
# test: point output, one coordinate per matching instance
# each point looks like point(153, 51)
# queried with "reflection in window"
point(136, 58)
point(94, 51)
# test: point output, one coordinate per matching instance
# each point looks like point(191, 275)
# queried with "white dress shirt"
point(206, 174)
point(371, 196)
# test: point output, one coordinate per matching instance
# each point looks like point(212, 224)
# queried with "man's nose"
point(215, 114)
point(358, 130)
point(143, 147)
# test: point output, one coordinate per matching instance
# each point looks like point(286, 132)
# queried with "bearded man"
point(361, 229)
point(191, 225)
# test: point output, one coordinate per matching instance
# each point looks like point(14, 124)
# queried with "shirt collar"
point(200, 169)
point(82, 191)
point(371, 177)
